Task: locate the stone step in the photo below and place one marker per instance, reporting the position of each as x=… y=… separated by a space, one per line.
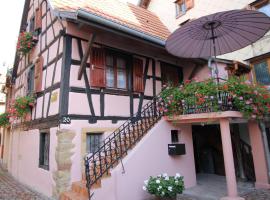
x=70 y=195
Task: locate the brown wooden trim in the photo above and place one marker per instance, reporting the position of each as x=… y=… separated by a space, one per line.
x=86 y=56
x=259 y=3
x=49 y=122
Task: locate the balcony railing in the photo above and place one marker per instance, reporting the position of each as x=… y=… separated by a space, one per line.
x=222 y=101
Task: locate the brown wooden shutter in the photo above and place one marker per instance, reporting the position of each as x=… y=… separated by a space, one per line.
x=38 y=74
x=38 y=18
x=138 y=75
x=189 y=4
x=97 y=68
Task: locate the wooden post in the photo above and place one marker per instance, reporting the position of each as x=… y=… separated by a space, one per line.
x=86 y=55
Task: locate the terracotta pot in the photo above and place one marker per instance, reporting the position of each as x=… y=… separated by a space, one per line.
x=28 y=117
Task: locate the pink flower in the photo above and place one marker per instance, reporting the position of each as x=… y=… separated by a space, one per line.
x=241 y=98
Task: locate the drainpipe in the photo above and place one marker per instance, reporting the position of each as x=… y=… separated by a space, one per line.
x=266 y=147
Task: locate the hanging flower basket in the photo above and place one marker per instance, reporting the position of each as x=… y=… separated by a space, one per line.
x=26 y=42
x=20 y=108
x=4 y=120
x=23 y=105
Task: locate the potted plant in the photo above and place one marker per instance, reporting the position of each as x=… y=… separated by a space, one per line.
x=4 y=120
x=26 y=42
x=164 y=187
x=236 y=93
x=23 y=106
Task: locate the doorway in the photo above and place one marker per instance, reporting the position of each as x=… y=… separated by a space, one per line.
x=208 y=152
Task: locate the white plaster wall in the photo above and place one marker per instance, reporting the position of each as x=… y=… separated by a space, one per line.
x=25 y=160
x=149 y=158
x=116 y=105
x=78 y=104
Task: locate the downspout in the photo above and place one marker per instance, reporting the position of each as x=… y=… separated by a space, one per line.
x=81 y=14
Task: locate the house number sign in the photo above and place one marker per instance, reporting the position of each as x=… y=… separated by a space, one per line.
x=66 y=120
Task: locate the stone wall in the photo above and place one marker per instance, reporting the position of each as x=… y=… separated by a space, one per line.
x=63 y=155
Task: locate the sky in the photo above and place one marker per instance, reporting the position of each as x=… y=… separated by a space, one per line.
x=10 y=19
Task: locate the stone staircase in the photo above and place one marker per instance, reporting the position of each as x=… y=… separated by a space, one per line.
x=113 y=149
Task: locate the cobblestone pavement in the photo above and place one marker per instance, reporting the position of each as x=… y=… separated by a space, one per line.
x=259 y=194
x=10 y=189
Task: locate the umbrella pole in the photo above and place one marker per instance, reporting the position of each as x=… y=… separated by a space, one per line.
x=213 y=37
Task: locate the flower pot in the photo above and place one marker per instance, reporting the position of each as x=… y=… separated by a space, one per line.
x=28 y=117
x=165 y=198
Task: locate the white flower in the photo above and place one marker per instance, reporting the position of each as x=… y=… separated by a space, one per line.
x=160 y=187
x=146 y=182
x=177 y=175
x=176 y=181
x=144 y=188
x=170 y=188
x=164 y=174
x=162 y=193
x=167 y=178
x=157 y=181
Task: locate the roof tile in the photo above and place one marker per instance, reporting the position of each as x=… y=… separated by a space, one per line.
x=125 y=14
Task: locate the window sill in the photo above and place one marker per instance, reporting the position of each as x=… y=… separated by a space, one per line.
x=180 y=15
x=45 y=167
x=116 y=91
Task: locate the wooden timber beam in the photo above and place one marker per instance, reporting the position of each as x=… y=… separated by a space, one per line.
x=86 y=56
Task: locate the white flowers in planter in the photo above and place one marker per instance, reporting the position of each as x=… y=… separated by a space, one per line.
x=164 y=185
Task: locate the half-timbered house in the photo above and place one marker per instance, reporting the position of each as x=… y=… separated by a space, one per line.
x=96 y=71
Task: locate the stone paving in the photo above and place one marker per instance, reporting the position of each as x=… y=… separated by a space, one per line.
x=260 y=194
x=10 y=189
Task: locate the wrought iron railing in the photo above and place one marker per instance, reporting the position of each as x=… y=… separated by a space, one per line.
x=221 y=101
x=117 y=144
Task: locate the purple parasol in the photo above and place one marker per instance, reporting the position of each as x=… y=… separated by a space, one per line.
x=218 y=33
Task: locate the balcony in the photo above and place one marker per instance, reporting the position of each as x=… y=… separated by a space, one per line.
x=215 y=98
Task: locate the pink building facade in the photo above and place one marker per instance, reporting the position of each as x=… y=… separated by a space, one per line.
x=82 y=97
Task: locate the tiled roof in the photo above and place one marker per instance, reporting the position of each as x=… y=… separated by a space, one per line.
x=126 y=14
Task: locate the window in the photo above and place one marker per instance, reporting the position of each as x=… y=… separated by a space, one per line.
x=31 y=80
x=116 y=71
x=262 y=73
x=44 y=148
x=265 y=9
x=93 y=141
x=32 y=24
x=170 y=74
x=262 y=6
x=180 y=7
